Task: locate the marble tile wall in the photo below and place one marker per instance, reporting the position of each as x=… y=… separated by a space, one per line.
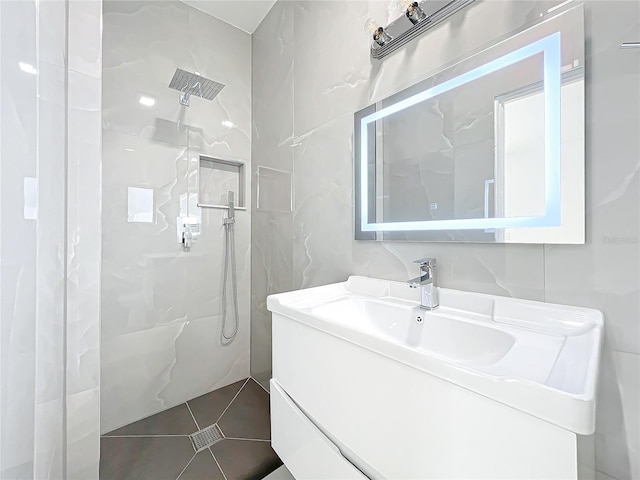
x=161 y=306
x=50 y=247
x=312 y=71
x=272 y=137
x=84 y=241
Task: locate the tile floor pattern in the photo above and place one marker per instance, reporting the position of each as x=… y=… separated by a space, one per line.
x=159 y=448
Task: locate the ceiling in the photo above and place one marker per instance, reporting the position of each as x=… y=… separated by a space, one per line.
x=243 y=14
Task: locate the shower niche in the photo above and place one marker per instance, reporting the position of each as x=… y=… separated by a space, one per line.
x=216 y=178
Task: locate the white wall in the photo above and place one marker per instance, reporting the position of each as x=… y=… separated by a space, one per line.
x=305 y=93
x=50 y=135
x=161 y=307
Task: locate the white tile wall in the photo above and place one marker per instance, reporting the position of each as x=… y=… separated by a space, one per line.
x=84 y=256
x=618 y=432
x=84 y=241
x=272 y=127
x=83 y=434
x=161 y=307
x=85 y=37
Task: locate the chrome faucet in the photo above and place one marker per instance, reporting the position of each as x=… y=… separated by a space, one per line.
x=427 y=281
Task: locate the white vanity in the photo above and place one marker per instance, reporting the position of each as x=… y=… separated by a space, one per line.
x=367 y=384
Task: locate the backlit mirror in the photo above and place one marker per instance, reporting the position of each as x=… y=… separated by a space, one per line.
x=490 y=149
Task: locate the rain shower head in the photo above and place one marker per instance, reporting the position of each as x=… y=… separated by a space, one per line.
x=193 y=84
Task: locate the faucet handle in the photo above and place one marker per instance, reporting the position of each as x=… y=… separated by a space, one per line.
x=426 y=262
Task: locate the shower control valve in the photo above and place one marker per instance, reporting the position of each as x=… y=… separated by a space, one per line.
x=188 y=230
x=187 y=238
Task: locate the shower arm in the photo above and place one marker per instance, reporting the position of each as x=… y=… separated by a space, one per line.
x=187 y=92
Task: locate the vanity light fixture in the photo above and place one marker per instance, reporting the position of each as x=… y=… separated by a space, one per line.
x=147 y=101
x=560 y=5
x=418 y=17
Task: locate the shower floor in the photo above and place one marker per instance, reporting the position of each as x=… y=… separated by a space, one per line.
x=159 y=447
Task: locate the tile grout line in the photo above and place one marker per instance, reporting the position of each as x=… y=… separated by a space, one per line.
x=628 y=352
x=261 y=386
x=216 y=460
x=186 y=466
x=248 y=439
x=192 y=415
x=108 y=434
x=234 y=397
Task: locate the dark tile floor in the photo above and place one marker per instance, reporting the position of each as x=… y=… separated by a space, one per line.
x=159 y=448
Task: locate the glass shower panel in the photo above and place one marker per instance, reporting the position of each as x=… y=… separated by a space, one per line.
x=145 y=294
x=32 y=242
x=161 y=304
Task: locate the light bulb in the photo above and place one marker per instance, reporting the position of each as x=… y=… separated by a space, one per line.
x=370 y=27
x=380 y=37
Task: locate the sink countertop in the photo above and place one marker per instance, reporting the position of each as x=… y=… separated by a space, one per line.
x=538 y=357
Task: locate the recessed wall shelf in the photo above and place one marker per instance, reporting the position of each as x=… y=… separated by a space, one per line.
x=216 y=178
x=274 y=192
x=403 y=31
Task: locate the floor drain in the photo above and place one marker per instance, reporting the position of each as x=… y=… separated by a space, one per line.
x=206 y=437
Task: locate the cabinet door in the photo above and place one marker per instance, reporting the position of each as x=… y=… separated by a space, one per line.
x=304 y=449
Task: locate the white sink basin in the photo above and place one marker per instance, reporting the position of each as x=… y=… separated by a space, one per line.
x=453 y=339
x=539 y=358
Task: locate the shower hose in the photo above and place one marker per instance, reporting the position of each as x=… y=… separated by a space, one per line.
x=229 y=256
